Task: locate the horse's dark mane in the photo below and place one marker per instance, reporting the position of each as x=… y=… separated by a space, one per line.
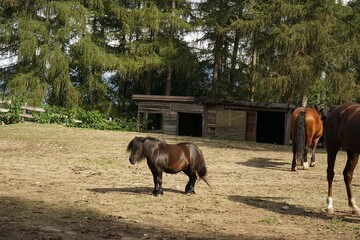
x=136 y=141
x=130 y=145
x=153 y=139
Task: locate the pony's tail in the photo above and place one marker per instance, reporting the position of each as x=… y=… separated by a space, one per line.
x=300 y=136
x=202 y=170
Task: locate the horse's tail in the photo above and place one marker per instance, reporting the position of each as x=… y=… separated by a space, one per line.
x=300 y=136
x=202 y=170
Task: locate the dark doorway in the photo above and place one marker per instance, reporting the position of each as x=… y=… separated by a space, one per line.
x=270 y=127
x=190 y=124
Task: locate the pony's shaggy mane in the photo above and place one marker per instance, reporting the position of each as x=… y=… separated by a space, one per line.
x=153 y=139
x=139 y=140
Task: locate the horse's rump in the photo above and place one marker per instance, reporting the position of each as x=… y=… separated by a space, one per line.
x=306 y=130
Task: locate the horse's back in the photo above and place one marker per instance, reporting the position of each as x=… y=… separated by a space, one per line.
x=191 y=149
x=343 y=126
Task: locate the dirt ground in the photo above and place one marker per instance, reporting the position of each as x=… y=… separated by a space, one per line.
x=68 y=183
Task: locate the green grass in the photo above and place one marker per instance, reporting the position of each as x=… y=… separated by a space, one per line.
x=269 y=220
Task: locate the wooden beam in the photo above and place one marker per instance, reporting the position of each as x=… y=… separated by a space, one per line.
x=35 y=109
x=138 y=97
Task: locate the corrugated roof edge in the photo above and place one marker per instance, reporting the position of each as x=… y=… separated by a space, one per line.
x=139 y=97
x=192 y=99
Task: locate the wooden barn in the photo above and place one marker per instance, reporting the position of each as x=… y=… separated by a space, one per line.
x=188 y=116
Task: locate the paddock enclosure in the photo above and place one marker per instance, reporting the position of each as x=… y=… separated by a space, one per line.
x=72 y=183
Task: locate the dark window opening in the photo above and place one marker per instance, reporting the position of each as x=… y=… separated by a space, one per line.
x=154 y=122
x=190 y=124
x=270 y=127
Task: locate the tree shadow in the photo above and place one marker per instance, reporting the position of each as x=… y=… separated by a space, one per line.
x=23 y=219
x=278 y=205
x=268 y=163
x=135 y=190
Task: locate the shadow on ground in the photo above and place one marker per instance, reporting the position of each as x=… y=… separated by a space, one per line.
x=135 y=190
x=279 y=205
x=268 y=163
x=25 y=219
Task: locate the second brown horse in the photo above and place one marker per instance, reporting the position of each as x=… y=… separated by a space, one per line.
x=306 y=130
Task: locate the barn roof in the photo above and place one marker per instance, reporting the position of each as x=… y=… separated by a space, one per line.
x=138 y=97
x=192 y=99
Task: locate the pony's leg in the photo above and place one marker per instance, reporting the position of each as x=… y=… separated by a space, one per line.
x=293 y=165
x=157 y=176
x=331 y=156
x=190 y=186
x=348 y=175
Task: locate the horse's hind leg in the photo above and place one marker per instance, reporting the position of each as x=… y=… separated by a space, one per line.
x=304 y=158
x=314 y=146
x=331 y=157
x=293 y=165
x=348 y=175
x=190 y=186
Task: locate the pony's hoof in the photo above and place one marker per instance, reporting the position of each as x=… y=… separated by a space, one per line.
x=190 y=192
x=157 y=194
x=312 y=164
x=330 y=211
x=356 y=212
x=294 y=169
x=306 y=166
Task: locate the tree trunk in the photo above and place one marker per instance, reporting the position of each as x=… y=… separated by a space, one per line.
x=169 y=68
x=217 y=66
x=148 y=82
x=234 y=61
x=169 y=71
x=304 y=101
x=253 y=78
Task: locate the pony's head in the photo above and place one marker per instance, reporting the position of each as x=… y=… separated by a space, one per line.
x=136 y=149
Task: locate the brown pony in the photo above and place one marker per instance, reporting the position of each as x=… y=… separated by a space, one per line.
x=342 y=129
x=169 y=158
x=306 y=130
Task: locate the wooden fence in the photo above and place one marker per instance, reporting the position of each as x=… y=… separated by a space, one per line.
x=27 y=111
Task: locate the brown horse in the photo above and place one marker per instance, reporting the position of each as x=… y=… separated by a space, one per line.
x=306 y=130
x=342 y=129
x=169 y=158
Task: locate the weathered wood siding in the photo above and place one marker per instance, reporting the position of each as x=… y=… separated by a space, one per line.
x=170 y=123
x=223 y=122
x=153 y=107
x=169 y=111
x=251 y=122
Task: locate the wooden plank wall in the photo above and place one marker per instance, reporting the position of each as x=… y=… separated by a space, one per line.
x=153 y=107
x=251 y=122
x=170 y=123
x=169 y=111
